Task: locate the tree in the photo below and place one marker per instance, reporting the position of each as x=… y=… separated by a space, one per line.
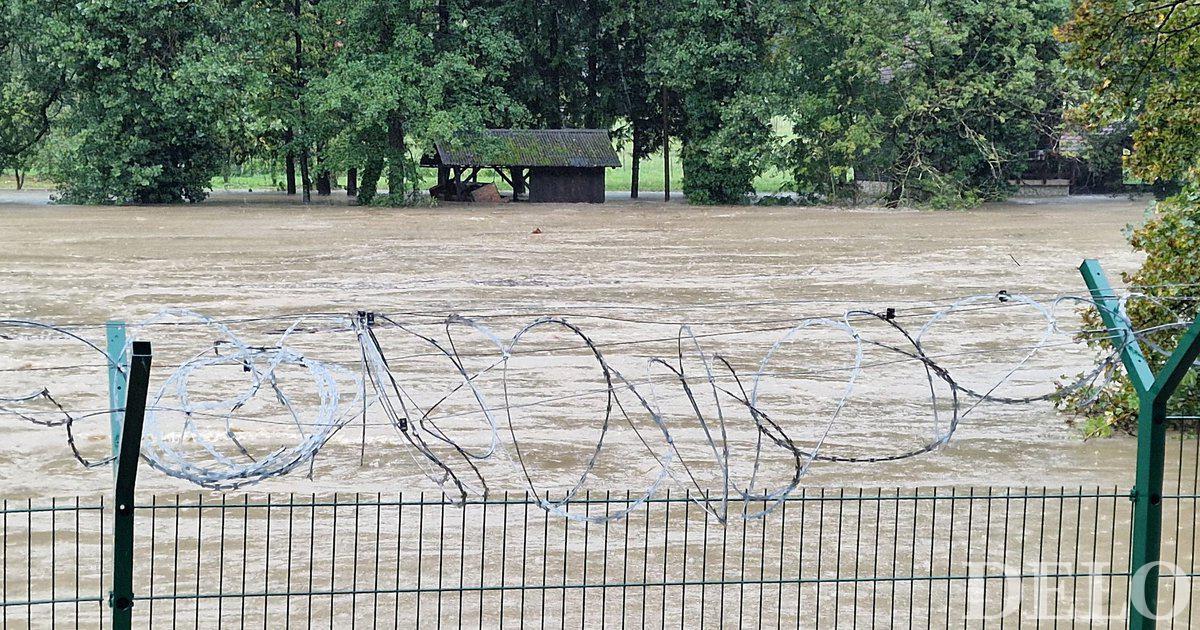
x=1142 y=63
x=1142 y=60
x=291 y=45
x=263 y=124
x=713 y=56
x=402 y=75
x=151 y=81
x=32 y=77
x=637 y=90
x=943 y=100
x=559 y=44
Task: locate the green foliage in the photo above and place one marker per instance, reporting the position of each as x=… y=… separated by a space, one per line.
x=1170 y=239
x=1102 y=152
x=1142 y=60
x=637 y=90
x=152 y=80
x=943 y=100
x=394 y=76
x=145 y=101
x=712 y=54
x=32 y=76
x=570 y=59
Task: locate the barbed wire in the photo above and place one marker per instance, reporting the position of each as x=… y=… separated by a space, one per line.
x=194 y=438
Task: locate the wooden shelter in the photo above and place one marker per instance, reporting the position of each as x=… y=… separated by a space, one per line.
x=541 y=165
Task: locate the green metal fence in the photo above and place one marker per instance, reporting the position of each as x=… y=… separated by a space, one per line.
x=854 y=557
x=938 y=557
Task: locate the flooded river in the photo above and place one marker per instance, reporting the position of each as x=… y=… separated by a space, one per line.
x=627 y=274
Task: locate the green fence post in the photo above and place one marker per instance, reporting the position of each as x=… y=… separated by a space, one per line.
x=1148 y=514
x=121 y=597
x=1109 y=307
x=1153 y=393
x=118 y=368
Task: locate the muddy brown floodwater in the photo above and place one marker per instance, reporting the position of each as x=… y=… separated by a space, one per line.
x=620 y=271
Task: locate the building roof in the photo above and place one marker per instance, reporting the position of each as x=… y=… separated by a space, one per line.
x=529 y=147
x=1074 y=141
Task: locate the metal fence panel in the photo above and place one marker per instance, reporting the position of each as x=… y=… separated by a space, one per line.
x=938 y=557
x=53 y=562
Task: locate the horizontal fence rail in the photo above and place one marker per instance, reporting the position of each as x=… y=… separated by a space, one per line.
x=944 y=557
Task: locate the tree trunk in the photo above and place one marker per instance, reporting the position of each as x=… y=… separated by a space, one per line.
x=397 y=160
x=290 y=162
x=324 y=184
x=894 y=195
x=633 y=182
x=593 y=69
x=20 y=177
x=305 y=179
x=352 y=182
x=370 y=182
x=637 y=166
x=556 y=100
x=518 y=178
x=666 y=150
x=298 y=78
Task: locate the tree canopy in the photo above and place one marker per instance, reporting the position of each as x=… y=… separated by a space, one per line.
x=1141 y=61
x=943 y=100
x=32 y=77
x=129 y=101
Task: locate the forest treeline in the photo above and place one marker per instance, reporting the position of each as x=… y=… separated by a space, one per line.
x=136 y=101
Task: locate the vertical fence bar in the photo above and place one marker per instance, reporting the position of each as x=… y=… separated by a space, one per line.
x=118 y=368
x=121 y=596
x=1153 y=393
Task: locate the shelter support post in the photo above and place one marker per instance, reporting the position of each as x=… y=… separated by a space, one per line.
x=518 y=182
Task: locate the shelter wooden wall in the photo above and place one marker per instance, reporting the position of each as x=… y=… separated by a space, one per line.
x=566 y=184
